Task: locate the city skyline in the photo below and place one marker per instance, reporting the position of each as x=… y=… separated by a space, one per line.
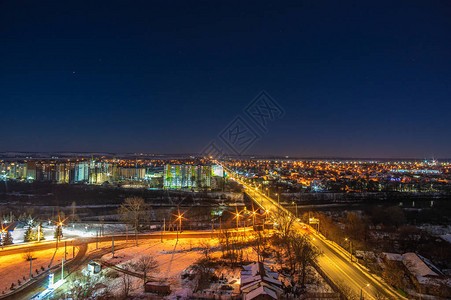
x=168 y=78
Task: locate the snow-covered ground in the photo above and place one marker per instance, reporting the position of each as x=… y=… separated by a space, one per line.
x=15 y=267
x=173 y=258
x=436 y=229
x=72 y=230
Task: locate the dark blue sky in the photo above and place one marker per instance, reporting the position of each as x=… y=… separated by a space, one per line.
x=356 y=79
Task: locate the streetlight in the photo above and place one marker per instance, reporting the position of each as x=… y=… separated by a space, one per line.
x=237 y=217
x=179 y=218
x=2 y=233
x=59 y=228
x=296 y=208
x=350 y=248
x=361 y=290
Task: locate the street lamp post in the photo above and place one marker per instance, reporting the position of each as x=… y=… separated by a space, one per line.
x=361 y=291
x=59 y=229
x=2 y=234
x=179 y=219
x=350 y=248
x=296 y=208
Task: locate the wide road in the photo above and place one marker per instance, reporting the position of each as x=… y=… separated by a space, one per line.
x=44 y=245
x=334 y=261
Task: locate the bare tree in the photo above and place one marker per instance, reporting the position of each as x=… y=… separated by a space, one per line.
x=284 y=225
x=347 y=292
x=28 y=255
x=146 y=264
x=206 y=248
x=132 y=212
x=304 y=253
x=126 y=284
x=393 y=273
x=355 y=226
x=228 y=242
x=260 y=245
x=380 y=296
x=224 y=241
x=81 y=285
x=204 y=268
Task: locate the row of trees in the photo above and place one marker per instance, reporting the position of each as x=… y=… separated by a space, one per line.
x=292 y=250
x=296 y=251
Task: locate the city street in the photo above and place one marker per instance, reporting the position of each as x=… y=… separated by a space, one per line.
x=334 y=261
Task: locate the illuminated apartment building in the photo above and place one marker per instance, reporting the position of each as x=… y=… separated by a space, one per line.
x=186 y=176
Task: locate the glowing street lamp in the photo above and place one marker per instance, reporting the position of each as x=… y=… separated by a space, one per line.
x=59 y=228
x=237 y=217
x=179 y=218
x=361 y=290
x=3 y=231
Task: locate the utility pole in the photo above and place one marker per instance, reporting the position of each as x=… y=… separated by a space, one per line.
x=350 y=246
x=112 y=245
x=180 y=224
x=296 y=208
x=39 y=232
x=136 y=233
x=65 y=249
x=62 y=269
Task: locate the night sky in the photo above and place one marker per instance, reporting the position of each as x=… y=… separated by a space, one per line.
x=356 y=79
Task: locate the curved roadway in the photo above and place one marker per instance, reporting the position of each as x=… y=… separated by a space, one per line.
x=334 y=262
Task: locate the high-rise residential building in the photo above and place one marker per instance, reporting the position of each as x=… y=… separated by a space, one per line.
x=186 y=176
x=13 y=170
